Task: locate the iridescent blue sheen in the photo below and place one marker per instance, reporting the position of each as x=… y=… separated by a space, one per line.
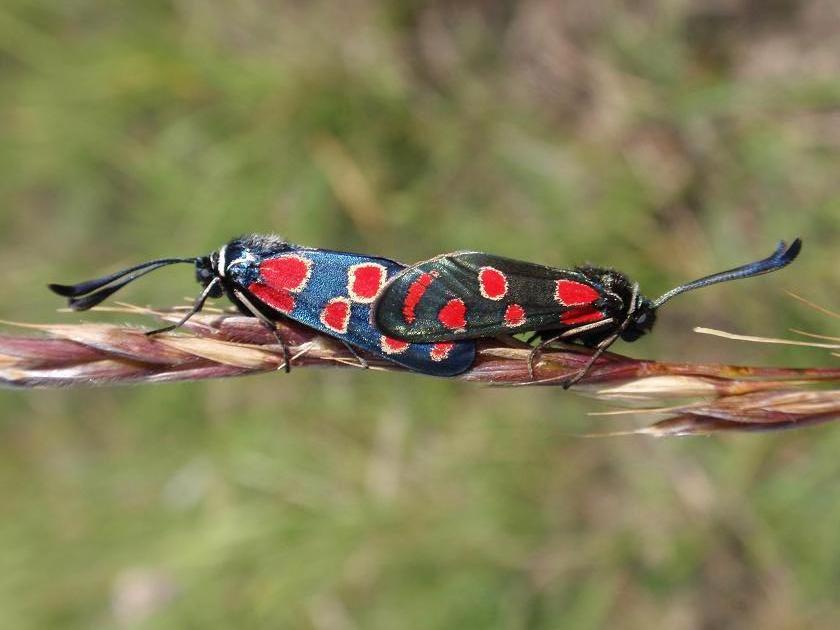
x=329 y=280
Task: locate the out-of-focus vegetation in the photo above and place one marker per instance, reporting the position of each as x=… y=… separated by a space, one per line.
x=669 y=139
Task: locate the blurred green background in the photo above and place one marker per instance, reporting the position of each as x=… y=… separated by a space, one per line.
x=667 y=138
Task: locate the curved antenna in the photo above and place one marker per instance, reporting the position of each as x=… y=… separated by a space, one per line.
x=86 y=295
x=782 y=257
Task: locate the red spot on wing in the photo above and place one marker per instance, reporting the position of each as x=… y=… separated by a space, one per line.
x=514 y=315
x=453 y=315
x=392 y=346
x=571 y=293
x=441 y=351
x=415 y=294
x=364 y=281
x=581 y=316
x=280 y=300
x=290 y=273
x=492 y=283
x=336 y=315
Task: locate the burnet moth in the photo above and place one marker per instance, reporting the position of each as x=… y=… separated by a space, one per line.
x=467 y=295
x=269 y=278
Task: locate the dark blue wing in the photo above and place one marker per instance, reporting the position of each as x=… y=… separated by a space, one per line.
x=333 y=292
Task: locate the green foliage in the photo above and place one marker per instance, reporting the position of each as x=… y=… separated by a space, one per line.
x=668 y=140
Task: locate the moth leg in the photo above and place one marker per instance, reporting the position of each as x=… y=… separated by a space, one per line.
x=599 y=350
x=536 y=352
x=362 y=363
x=197 y=306
x=265 y=321
x=606 y=343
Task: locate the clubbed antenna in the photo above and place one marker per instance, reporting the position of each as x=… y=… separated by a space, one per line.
x=782 y=257
x=88 y=294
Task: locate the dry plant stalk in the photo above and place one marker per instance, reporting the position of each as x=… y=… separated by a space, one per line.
x=720 y=397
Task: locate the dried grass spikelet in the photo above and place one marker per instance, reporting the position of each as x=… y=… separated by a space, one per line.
x=709 y=397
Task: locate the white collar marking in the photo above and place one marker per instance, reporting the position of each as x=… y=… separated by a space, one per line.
x=221 y=262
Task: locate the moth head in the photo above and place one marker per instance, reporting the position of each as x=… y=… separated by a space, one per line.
x=207 y=273
x=641 y=321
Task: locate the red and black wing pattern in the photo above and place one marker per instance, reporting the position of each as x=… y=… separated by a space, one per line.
x=466 y=295
x=333 y=292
